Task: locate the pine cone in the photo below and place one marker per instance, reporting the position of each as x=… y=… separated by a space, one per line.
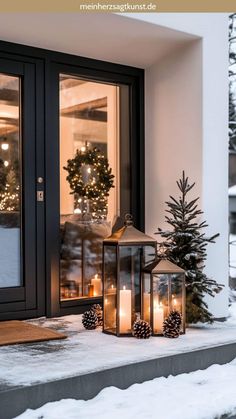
x=171 y=326
x=90 y=320
x=141 y=329
x=98 y=310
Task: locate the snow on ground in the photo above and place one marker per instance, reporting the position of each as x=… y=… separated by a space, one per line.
x=88 y=351
x=9 y=257
x=206 y=394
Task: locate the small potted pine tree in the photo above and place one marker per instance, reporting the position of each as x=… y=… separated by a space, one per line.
x=185 y=245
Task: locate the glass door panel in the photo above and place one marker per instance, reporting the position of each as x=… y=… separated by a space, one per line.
x=89 y=123
x=20 y=112
x=10 y=181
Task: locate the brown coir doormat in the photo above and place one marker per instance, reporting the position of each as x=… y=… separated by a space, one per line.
x=14 y=332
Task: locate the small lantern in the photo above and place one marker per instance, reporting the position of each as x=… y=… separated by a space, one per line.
x=163 y=290
x=124 y=254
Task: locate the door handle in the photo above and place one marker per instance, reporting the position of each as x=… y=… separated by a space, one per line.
x=40 y=196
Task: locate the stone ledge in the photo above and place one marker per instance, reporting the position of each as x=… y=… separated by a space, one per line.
x=15 y=400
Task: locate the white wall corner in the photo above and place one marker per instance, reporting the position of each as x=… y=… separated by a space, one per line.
x=186 y=128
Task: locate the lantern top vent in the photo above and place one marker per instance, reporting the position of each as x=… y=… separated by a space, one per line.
x=162 y=266
x=128 y=234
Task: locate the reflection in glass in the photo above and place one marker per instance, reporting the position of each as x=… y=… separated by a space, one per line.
x=110 y=298
x=89 y=117
x=10 y=179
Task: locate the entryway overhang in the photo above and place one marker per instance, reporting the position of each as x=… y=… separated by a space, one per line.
x=107 y=37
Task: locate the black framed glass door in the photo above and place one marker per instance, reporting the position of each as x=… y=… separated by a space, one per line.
x=41 y=125
x=18 y=174
x=95 y=112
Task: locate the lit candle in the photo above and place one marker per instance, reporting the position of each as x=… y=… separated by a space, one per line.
x=91 y=290
x=97 y=283
x=158 y=317
x=146 y=307
x=176 y=305
x=125 y=311
x=111 y=290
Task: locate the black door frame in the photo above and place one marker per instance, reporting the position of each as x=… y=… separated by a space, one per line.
x=27 y=300
x=47 y=64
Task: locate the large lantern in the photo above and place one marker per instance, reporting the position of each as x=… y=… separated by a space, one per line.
x=163 y=290
x=124 y=254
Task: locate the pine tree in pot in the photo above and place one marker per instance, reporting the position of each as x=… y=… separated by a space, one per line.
x=185 y=245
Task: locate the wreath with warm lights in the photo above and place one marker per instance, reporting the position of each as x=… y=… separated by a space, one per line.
x=104 y=177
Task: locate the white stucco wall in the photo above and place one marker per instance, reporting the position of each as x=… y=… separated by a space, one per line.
x=186 y=128
x=186 y=101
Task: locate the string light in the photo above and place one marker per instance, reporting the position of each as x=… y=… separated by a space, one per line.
x=4 y=146
x=10 y=196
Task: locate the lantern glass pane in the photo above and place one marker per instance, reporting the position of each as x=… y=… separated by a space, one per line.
x=110 y=302
x=146 y=298
x=129 y=287
x=177 y=294
x=161 y=301
x=149 y=254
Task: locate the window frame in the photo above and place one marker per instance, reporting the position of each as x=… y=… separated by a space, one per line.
x=47 y=146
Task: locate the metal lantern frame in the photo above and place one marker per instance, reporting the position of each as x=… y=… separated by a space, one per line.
x=125 y=238
x=157 y=268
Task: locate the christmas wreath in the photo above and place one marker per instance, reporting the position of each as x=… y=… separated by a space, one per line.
x=101 y=179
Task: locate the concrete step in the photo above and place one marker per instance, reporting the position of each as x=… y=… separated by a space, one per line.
x=15 y=400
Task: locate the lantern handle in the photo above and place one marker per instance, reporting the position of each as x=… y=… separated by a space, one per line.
x=128 y=220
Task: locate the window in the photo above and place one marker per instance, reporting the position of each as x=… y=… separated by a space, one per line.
x=89 y=121
x=10 y=181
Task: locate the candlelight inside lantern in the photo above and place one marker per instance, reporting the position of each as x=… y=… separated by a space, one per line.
x=125 y=310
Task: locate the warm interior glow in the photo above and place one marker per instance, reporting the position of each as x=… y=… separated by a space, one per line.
x=89 y=117
x=81 y=123
x=10 y=180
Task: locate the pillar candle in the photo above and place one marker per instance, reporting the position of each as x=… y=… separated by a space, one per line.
x=125 y=311
x=97 y=284
x=158 y=317
x=146 y=307
x=176 y=305
x=91 y=290
x=111 y=290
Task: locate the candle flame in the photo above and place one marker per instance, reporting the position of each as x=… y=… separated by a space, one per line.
x=158 y=307
x=124 y=287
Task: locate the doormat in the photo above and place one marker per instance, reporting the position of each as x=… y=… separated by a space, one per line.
x=15 y=332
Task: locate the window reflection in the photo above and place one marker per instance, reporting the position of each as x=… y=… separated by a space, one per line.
x=89 y=119
x=10 y=218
